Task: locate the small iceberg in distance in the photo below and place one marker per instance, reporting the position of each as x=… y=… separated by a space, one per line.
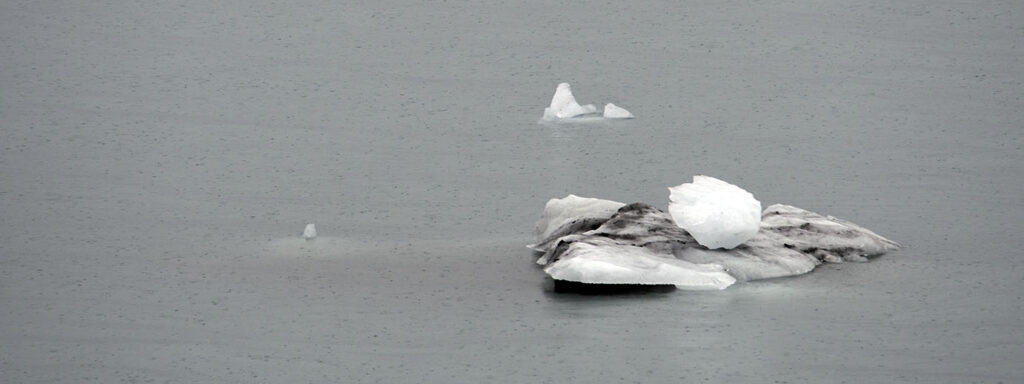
x=564 y=108
x=309 y=233
x=564 y=105
x=612 y=111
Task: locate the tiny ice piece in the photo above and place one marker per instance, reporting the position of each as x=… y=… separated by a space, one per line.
x=564 y=105
x=716 y=213
x=310 y=232
x=612 y=111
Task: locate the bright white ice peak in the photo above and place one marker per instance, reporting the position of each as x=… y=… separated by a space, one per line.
x=716 y=213
x=564 y=105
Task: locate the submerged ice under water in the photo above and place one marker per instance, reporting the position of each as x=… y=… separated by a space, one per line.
x=640 y=244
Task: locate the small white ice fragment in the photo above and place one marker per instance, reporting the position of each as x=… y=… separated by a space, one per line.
x=612 y=111
x=310 y=232
x=716 y=213
x=564 y=105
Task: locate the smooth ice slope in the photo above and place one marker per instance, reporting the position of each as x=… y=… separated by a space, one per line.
x=603 y=261
x=612 y=111
x=564 y=105
x=716 y=213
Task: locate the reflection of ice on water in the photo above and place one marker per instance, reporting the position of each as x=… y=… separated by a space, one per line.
x=321 y=246
x=588 y=128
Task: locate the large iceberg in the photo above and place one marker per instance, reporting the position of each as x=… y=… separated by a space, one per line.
x=564 y=105
x=640 y=244
x=716 y=213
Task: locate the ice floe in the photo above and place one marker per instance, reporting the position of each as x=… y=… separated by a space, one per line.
x=640 y=244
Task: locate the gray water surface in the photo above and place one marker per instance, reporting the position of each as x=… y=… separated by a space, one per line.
x=159 y=161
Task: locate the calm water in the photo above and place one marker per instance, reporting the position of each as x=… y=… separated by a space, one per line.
x=158 y=162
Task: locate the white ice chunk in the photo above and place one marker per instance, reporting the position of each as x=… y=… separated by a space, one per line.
x=716 y=213
x=564 y=105
x=612 y=111
x=561 y=214
x=602 y=261
x=310 y=232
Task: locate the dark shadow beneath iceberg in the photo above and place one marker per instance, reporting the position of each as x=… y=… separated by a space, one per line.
x=564 y=286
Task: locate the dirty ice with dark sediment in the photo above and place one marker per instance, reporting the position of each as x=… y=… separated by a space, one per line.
x=714 y=235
